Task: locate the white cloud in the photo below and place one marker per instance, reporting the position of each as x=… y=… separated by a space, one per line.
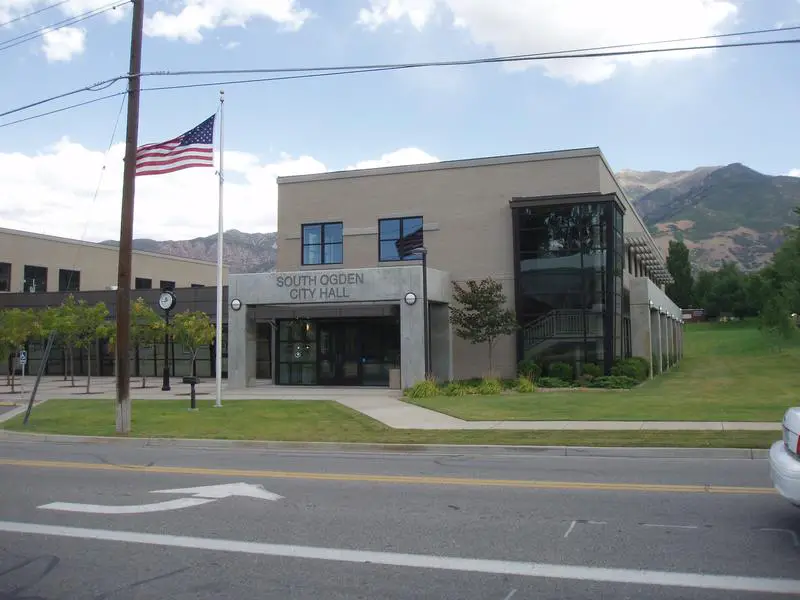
x=197 y=15
x=403 y=156
x=794 y=172
x=520 y=27
x=53 y=191
x=62 y=44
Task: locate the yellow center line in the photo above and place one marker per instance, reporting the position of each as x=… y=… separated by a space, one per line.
x=395 y=479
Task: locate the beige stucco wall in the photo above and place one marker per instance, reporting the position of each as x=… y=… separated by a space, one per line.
x=97 y=264
x=467 y=220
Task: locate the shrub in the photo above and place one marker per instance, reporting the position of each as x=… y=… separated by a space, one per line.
x=425 y=388
x=561 y=370
x=552 y=382
x=525 y=385
x=592 y=370
x=635 y=368
x=529 y=369
x=584 y=380
x=490 y=386
x=614 y=382
x=455 y=388
x=664 y=361
x=509 y=384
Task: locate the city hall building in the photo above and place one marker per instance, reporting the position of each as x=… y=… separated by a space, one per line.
x=346 y=304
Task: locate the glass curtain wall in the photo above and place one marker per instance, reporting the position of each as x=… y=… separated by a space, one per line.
x=569 y=283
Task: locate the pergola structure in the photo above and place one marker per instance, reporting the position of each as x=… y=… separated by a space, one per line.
x=645 y=251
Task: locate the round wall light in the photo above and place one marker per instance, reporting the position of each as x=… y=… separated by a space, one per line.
x=410 y=298
x=236 y=304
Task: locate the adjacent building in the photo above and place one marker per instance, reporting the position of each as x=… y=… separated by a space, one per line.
x=37 y=271
x=346 y=303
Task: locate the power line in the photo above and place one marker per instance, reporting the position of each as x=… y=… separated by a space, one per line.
x=328 y=72
x=35 y=12
x=594 y=52
x=62 y=109
x=31 y=35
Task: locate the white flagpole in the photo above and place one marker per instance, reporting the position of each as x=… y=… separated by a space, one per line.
x=218 y=346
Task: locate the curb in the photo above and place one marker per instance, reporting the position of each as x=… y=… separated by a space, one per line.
x=450 y=449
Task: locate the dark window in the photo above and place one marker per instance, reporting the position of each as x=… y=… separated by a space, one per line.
x=5 y=277
x=166 y=285
x=69 y=280
x=197 y=285
x=143 y=283
x=35 y=279
x=323 y=243
x=397 y=238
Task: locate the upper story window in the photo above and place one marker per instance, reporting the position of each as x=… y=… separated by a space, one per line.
x=35 y=278
x=5 y=277
x=398 y=238
x=143 y=283
x=69 y=280
x=323 y=243
x=164 y=284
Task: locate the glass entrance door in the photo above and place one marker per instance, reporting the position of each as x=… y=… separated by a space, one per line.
x=339 y=354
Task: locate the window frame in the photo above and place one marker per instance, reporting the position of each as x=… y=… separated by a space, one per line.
x=9 y=280
x=74 y=286
x=322 y=244
x=402 y=233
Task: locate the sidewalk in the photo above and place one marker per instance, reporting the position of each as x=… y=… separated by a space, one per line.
x=380 y=404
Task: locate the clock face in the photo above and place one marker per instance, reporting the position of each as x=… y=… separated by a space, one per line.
x=166 y=300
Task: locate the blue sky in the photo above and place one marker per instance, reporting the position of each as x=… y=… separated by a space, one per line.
x=729 y=105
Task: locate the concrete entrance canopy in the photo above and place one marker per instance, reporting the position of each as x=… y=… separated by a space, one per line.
x=333 y=293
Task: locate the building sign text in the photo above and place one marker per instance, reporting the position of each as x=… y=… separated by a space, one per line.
x=322 y=288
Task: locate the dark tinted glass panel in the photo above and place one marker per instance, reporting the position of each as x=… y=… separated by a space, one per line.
x=333 y=233
x=35 y=278
x=143 y=283
x=312 y=234
x=69 y=280
x=5 y=277
x=166 y=285
x=389 y=229
x=388 y=250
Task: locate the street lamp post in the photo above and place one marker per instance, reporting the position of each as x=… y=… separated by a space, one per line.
x=167 y=302
x=425 y=315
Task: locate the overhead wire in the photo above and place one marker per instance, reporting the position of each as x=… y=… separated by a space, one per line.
x=33 y=13
x=32 y=35
x=356 y=69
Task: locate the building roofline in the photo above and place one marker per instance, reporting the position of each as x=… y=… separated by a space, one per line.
x=445 y=164
x=74 y=242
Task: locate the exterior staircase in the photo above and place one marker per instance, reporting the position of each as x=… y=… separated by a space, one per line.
x=559 y=326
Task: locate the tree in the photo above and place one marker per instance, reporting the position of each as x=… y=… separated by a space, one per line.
x=192 y=330
x=146 y=329
x=482 y=316
x=17 y=326
x=777 y=321
x=63 y=320
x=680 y=267
x=91 y=324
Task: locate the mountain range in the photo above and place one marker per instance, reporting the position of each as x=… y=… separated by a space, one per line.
x=728 y=213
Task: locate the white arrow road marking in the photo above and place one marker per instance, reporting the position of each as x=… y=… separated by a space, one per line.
x=202 y=495
x=102 y=509
x=223 y=491
x=733 y=583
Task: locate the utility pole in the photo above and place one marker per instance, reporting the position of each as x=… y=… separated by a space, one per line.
x=123 y=307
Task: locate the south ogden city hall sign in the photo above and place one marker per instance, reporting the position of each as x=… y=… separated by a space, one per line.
x=328 y=286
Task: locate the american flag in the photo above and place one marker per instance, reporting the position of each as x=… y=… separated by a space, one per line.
x=195 y=148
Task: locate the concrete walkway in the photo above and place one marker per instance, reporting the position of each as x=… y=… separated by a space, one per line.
x=380 y=404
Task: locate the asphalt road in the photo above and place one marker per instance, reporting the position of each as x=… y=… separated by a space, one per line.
x=390 y=525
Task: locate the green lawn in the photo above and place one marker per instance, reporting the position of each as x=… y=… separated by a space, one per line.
x=729 y=373
x=325 y=421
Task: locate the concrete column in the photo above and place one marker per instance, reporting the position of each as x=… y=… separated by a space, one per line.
x=664 y=338
x=655 y=348
x=641 y=343
x=412 y=344
x=241 y=347
x=441 y=346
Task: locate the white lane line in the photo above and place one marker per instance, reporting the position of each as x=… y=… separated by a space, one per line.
x=472 y=565
x=571 y=527
x=511 y=593
x=669 y=526
x=127 y=510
